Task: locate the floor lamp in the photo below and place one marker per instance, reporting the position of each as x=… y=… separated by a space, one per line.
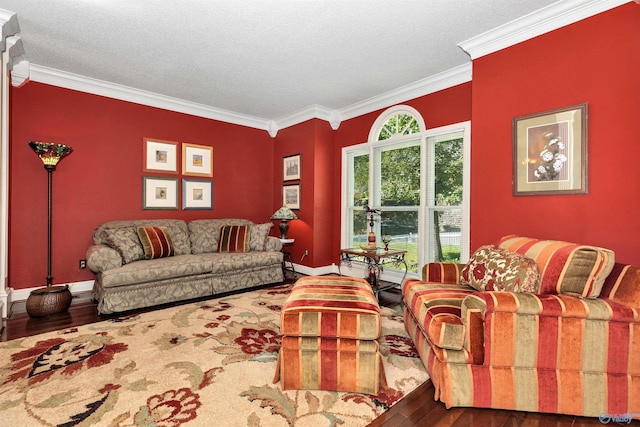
x=51 y=299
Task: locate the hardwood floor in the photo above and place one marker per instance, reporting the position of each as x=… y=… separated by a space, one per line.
x=417 y=409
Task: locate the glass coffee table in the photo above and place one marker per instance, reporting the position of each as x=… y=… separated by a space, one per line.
x=375 y=260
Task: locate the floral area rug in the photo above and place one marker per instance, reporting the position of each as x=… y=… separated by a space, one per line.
x=209 y=363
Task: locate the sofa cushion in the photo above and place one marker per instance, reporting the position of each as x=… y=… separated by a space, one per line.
x=177 y=228
x=125 y=240
x=204 y=233
x=233 y=238
x=153 y=270
x=495 y=269
x=565 y=267
x=229 y=262
x=156 y=242
x=331 y=307
x=258 y=236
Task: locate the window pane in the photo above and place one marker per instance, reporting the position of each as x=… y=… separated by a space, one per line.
x=448 y=164
x=402 y=227
x=399 y=124
x=446 y=235
x=400 y=173
x=360 y=228
x=360 y=180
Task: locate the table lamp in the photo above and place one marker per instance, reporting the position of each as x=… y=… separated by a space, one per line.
x=284 y=214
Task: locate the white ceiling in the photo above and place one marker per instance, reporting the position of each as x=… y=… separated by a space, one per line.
x=264 y=63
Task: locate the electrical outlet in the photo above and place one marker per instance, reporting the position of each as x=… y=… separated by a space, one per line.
x=83 y=264
x=306 y=252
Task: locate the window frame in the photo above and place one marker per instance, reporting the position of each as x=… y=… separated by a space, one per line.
x=372 y=146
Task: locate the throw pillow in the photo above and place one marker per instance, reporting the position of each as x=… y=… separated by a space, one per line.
x=156 y=242
x=496 y=269
x=565 y=267
x=234 y=238
x=258 y=236
x=126 y=242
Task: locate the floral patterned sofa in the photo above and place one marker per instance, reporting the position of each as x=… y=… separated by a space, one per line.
x=188 y=260
x=563 y=339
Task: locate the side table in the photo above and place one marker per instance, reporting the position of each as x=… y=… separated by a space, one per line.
x=287 y=262
x=375 y=259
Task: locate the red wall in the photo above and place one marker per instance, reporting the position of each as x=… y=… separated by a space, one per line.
x=597 y=61
x=313 y=229
x=102 y=179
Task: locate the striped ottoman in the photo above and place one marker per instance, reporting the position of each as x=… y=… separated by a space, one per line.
x=330 y=326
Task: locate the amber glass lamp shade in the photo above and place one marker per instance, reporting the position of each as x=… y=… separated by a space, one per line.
x=50 y=152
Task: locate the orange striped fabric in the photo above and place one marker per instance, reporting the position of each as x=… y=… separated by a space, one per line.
x=623 y=285
x=156 y=242
x=234 y=238
x=564 y=267
x=441 y=272
x=338 y=307
x=438 y=308
x=540 y=353
x=330 y=326
x=313 y=363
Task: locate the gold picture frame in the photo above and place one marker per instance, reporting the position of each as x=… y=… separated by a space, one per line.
x=550 y=152
x=197 y=160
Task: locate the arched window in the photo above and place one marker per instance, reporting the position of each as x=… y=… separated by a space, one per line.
x=418 y=178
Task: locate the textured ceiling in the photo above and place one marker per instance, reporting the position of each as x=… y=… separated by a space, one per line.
x=261 y=58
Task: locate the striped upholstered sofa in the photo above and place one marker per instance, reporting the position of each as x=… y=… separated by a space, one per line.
x=568 y=344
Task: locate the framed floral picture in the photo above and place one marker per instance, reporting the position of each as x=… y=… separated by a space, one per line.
x=197 y=194
x=159 y=192
x=550 y=152
x=197 y=160
x=291 y=196
x=160 y=156
x=291 y=167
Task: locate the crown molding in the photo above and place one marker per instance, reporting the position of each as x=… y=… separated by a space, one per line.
x=422 y=87
x=9 y=25
x=454 y=76
x=541 y=21
x=68 y=80
x=444 y=80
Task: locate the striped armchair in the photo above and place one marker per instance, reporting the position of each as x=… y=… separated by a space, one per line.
x=571 y=347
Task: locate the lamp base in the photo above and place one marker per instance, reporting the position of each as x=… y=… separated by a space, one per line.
x=50 y=300
x=284 y=227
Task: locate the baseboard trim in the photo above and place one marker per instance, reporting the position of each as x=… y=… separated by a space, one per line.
x=74 y=287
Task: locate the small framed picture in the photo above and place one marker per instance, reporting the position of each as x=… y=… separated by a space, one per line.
x=197 y=160
x=159 y=193
x=197 y=194
x=160 y=156
x=550 y=152
x=291 y=196
x=291 y=167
